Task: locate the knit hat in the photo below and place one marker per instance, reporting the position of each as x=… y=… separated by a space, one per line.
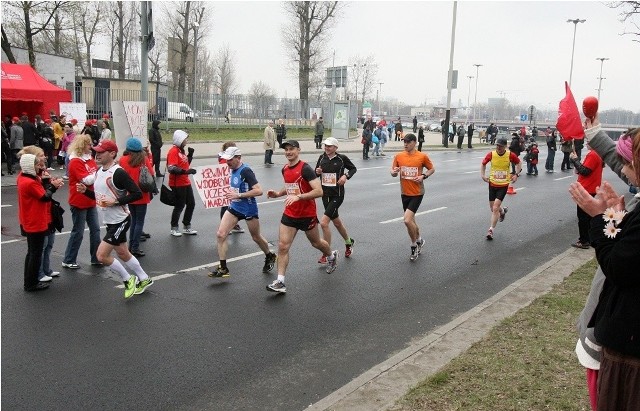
x=624 y=147
x=178 y=137
x=28 y=164
x=134 y=145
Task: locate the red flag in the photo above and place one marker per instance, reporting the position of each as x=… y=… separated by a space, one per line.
x=569 y=124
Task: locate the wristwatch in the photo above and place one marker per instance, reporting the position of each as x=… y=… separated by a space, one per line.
x=424 y=176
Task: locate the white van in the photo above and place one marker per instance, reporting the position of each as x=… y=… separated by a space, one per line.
x=179 y=111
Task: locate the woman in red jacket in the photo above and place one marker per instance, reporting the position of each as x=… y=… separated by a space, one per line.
x=34 y=214
x=132 y=160
x=179 y=168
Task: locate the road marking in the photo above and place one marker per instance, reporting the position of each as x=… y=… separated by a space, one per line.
x=563 y=178
x=470 y=172
x=6 y=205
x=391 y=184
x=449 y=161
x=200 y=267
x=393 y=220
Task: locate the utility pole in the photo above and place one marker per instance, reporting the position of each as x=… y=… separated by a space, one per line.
x=602 y=59
x=475 y=99
x=379 y=95
x=445 y=137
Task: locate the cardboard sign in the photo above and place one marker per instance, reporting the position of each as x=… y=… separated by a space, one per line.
x=130 y=120
x=76 y=111
x=212 y=183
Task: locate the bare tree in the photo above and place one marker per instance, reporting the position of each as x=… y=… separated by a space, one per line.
x=630 y=12
x=364 y=71
x=124 y=17
x=305 y=36
x=261 y=97
x=86 y=21
x=34 y=18
x=6 y=47
x=225 y=78
x=158 y=60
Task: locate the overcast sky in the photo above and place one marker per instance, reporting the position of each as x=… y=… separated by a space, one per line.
x=524 y=49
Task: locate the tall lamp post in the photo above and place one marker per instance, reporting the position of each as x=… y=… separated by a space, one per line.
x=602 y=59
x=468 y=96
x=195 y=60
x=575 y=26
x=475 y=99
x=379 y=96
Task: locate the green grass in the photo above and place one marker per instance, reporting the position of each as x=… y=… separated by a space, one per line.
x=527 y=362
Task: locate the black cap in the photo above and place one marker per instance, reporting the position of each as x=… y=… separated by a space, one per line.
x=292 y=143
x=409 y=137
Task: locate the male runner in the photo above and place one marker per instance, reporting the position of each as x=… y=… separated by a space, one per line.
x=499 y=180
x=410 y=164
x=243 y=206
x=302 y=187
x=334 y=169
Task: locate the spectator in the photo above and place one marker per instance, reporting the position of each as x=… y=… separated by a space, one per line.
x=155 y=140
x=269 y=143
x=551 y=149
x=178 y=165
x=590 y=178
x=319 y=133
x=566 y=146
x=281 y=132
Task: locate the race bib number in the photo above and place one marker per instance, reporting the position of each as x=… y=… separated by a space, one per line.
x=500 y=175
x=237 y=191
x=329 y=179
x=408 y=172
x=292 y=189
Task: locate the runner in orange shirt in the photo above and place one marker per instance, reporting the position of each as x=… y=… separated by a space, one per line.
x=410 y=164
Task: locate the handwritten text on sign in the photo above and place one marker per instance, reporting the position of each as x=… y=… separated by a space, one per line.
x=212 y=183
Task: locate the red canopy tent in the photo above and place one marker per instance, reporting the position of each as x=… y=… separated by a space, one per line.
x=25 y=91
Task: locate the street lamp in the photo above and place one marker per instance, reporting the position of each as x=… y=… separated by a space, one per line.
x=195 y=26
x=379 y=95
x=575 y=26
x=475 y=99
x=468 y=96
x=602 y=59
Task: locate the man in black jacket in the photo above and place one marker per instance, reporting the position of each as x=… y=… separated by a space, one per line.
x=155 y=140
x=29 y=131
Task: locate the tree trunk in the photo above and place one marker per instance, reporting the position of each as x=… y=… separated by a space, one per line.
x=6 y=47
x=26 y=7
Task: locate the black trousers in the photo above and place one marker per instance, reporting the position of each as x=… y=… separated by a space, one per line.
x=365 y=151
x=155 y=152
x=584 y=222
x=184 y=197
x=33 y=259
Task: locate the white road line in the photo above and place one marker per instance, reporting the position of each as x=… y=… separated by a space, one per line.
x=391 y=184
x=448 y=161
x=563 y=178
x=200 y=267
x=6 y=205
x=393 y=220
x=470 y=172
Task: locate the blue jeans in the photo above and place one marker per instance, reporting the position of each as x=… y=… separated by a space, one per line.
x=550 y=158
x=138 y=213
x=45 y=264
x=80 y=216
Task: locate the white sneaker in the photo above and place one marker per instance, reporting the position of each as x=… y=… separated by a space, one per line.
x=189 y=231
x=176 y=233
x=50 y=168
x=45 y=279
x=55 y=274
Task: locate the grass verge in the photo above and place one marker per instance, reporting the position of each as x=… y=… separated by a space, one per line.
x=527 y=362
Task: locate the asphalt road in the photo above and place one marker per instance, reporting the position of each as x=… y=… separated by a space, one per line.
x=191 y=342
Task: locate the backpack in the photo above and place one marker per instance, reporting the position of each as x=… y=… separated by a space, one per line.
x=146 y=182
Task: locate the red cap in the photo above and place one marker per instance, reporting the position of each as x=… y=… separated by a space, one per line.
x=74 y=121
x=15 y=119
x=106 y=145
x=105 y=115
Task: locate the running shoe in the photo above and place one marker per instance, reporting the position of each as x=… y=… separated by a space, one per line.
x=420 y=245
x=414 y=254
x=237 y=229
x=349 y=248
x=503 y=213
x=269 y=262
x=490 y=234
x=176 y=233
x=189 y=231
x=219 y=272
x=277 y=287
x=72 y=266
x=143 y=285
x=55 y=274
x=322 y=260
x=577 y=244
x=45 y=279
x=130 y=286
x=332 y=262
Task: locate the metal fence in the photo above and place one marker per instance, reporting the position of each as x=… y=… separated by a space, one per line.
x=208 y=109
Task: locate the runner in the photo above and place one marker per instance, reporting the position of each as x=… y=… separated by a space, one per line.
x=499 y=180
x=410 y=164
x=302 y=187
x=243 y=206
x=335 y=169
x=113 y=190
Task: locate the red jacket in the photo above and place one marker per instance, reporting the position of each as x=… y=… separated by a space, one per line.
x=177 y=157
x=134 y=172
x=79 y=169
x=34 y=214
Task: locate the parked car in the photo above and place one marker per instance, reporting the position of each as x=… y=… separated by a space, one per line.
x=180 y=111
x=435 y=127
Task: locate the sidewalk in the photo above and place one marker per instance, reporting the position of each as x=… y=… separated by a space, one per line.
x=381 y=386
x=433 y=142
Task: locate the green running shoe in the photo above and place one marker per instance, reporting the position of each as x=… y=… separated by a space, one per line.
x=130 y=286
x=143 y=285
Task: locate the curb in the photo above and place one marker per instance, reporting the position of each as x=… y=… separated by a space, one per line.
x=381 y=386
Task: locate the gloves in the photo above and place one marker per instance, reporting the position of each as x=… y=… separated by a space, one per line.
x=191 y=171
x=190 y=151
